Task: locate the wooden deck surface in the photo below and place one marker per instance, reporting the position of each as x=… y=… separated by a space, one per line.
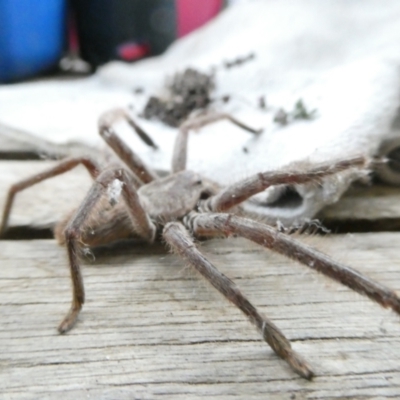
x=151 y=328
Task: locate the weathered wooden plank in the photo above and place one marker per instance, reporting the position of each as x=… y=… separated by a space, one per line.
x=151 y=328
x=362 y=209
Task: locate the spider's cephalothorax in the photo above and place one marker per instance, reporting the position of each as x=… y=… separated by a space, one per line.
x=181 y=193
x=130 y=199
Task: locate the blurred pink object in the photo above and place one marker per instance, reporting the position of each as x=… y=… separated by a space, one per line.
x=192 y=14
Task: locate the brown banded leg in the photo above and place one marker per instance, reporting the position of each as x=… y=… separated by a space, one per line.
x=114 y=183
x=181 y=242
x=63 y=166
x=121 y=149
x=109 y=117
x=235 y=194
x=179 y=155
x=264 y=235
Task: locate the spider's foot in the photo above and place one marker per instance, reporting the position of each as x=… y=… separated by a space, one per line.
x=69 y=321
x=3 y=228
x=282 y=347
x=300 y=366
x=393 y=301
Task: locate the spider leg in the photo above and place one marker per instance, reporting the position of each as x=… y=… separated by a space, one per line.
x=109 y=117
x=179 y=155
x=60 y=168
x=203 y=120
x=123 y=151
x=264 y=235
x=114 y=182
x=235 y=194
x=179 y=239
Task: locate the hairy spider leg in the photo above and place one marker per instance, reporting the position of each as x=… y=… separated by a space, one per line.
x=267 y=236
x=121 y=149
x=179 y=155
x=210 y=225
x=114 y=182
x=179 y=239
x=111 y=116
x=240 y=191
x=202 y=120
x=62 y=167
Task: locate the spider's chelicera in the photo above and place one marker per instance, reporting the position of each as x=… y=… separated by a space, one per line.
x=183 y=206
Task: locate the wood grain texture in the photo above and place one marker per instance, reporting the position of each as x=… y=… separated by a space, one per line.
x=362 y=208
x=152 y=329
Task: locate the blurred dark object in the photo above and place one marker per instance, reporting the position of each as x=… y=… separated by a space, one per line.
x=238 y=61
x=187 y=91
x=32 y=37
x=132 y=29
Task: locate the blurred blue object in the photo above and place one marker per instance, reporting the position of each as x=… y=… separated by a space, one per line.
x=32 y=37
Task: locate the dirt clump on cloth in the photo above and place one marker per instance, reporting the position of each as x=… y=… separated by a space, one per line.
x=186 y=92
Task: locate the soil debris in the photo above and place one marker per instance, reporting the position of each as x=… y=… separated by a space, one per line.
x=186 y=92
x=239 y=60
